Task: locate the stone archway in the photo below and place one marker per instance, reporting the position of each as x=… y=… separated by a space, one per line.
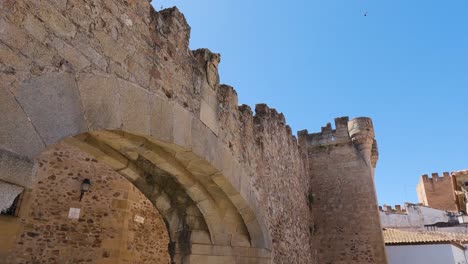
x=161 y=141
x=85 y=67
x=203 y=221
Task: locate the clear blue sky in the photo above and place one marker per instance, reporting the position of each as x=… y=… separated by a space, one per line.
x=405 y=65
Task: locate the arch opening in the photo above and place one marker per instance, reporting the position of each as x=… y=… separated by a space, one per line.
x=113 y=222
x=208 y=204
x=206 y=219
x=201 y=218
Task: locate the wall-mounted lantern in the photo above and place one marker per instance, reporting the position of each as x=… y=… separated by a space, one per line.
x=85 y=185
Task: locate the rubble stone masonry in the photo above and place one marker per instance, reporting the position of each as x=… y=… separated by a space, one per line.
x=341 y=163
x=106 y=230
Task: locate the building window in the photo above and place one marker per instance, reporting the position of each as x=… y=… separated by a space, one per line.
x=14 y=208
x=465 y=183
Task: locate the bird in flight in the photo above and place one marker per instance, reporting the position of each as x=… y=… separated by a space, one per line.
x=365 y=14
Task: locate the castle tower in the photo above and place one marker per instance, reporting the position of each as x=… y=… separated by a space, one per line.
x=341 y=164
x=437 y=192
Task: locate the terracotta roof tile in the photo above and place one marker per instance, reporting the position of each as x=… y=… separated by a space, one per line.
x=395 y=236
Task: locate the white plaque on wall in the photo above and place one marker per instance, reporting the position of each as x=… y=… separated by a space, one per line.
x=74 y=213
x=139 y=219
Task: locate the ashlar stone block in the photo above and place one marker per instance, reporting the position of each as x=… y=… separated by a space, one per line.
x=100 y=97
x=17 y=133
x=53 y=104
x=135 y=107
x=182 y=127
x=161 y=118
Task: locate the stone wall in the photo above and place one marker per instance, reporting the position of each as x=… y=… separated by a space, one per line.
x=68 y=67
x=341 y=163
x=282 y=185
x=73 y=67
x=117 y=223
x=437 y=192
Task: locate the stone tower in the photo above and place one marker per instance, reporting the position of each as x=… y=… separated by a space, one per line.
x=437 y=192
x=341 y=164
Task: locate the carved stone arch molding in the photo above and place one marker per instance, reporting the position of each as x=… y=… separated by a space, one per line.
x=163 y=149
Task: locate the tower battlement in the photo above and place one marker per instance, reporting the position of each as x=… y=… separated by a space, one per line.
x=396 y=209
x=359 y=131
x=327 y=135
x=432 y=191
x=435 y=177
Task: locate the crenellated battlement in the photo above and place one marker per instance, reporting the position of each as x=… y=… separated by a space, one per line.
x=327 y=134
x=356 y=129
x=397 y=209
x=435 y=177
x=436 y=191
x=264 y=113
x=359 y=131
x=263 y=110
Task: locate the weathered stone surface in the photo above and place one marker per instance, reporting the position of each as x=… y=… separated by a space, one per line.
x=339 y=163
x=53 y=18
x=12 y=35
x=8 y=193
x=136 y=74
x=53 y=104
x=106 y=231
x=110 y=48
x=17 y=133
x=101 y=101
x=209 y=105
x=74 y=57
x=35 y=28
x=135 y=107
x=206 y=259
x=161 y=119
x=16 y=169
x=200 y=237
x=182 y=127
x=208 y=116
x=212 y=70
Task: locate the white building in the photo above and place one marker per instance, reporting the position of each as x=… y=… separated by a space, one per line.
x=418 y=217
x=405 y=247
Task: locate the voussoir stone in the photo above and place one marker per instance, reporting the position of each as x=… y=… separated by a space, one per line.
x=53 y=104
x=100 y=97
x=17 y=133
